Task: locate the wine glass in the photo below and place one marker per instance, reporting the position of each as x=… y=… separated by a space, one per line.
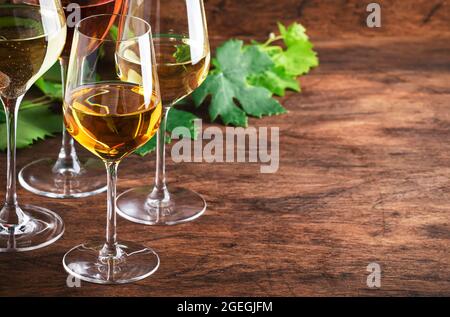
x=69 y=176
x=112 y=113
x=32 y=35
x=183 y=59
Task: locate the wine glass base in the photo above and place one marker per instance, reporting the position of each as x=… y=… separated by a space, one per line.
x=135 y=263
x=43 y=228
x=185 y=206
x=39 y=178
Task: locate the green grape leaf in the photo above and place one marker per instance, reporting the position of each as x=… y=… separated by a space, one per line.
x=114 y=32
x=15 y=21
x=276 y=80
x=54 y=73
x=35 y=122
x=296 y=58
x=50 y=88
x=293 y=34
x=299 y=57
x=233 y=97
x=176 y=118
x=50 y=83
x=182 y=53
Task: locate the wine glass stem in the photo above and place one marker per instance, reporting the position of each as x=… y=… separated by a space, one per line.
x=160 y=191
x=110 y=248
x=11 y=213
x=67 y=159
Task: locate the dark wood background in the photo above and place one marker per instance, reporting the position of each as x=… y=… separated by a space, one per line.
x=364 y=174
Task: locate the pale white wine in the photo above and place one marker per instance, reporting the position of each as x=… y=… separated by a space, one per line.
x=31 y=40
x=178 y=75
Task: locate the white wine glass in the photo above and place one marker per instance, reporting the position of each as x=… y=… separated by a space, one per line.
x=183 y=58
x=68 y=175
x=32 y=36
x=111 y=114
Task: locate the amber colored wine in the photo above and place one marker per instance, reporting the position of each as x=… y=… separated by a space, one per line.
x=26 y=50
x=88 y=8
x=178 y=75
x=112 y=120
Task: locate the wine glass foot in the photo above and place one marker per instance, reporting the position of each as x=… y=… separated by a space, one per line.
x=185 y=206
x=134 y=263
x=39 y=178
x=42 y=229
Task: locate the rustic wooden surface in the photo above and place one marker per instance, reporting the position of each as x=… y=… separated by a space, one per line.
x=364 y=174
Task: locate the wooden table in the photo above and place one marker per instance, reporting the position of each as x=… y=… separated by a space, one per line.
x=364 y=174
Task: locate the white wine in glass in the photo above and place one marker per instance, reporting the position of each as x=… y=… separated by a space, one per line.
x=183 y=60
x=112 y=119
x=111 y=116
x=67 y=175
x=178 y=75
x=32 y=36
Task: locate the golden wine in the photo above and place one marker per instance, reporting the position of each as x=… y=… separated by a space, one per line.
x=112 y=120
x=28 y=48
x=178 y=75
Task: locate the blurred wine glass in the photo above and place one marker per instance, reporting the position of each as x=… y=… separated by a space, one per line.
x=68 y=176
x=32 y=36
x=183 y=59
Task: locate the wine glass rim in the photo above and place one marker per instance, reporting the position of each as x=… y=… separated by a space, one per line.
x=134 y=38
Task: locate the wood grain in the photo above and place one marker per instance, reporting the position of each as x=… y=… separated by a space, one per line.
x=328 y=19
x=364 y=174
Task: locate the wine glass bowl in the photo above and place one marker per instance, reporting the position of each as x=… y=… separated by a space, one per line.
x=183 y=59
x=32 y=36
x=112 y=106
